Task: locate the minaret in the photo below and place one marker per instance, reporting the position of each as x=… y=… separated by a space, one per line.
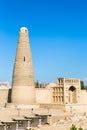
x=23 y=91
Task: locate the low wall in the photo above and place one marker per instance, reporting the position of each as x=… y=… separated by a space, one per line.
x=53 y=106
x=76 y=107
x=22 y=106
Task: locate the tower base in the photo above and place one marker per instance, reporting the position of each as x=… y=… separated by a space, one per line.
x=23 y=95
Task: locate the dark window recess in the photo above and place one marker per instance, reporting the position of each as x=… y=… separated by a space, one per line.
x=25 y=31
x=24 y=58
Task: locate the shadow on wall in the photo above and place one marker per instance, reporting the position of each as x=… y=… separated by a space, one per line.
x=9 y=95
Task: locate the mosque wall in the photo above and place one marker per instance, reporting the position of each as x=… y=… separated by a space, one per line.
x=83 y=97
x=4 y=88
x=43 y=96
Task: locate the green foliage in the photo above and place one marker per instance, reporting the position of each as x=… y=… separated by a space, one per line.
x=82 y=85
x=73 y=127
x=80 y=128
x=37 y=84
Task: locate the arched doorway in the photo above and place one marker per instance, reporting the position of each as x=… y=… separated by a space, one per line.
x=72 y=95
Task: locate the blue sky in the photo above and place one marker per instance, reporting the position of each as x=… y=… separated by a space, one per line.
x=58 y=37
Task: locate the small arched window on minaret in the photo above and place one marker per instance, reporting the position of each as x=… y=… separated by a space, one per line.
x=25 y=31
x=24 y=58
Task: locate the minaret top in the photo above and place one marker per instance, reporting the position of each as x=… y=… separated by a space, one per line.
x=23 y=30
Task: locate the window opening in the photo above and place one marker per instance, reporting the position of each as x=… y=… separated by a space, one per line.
x=24 y=58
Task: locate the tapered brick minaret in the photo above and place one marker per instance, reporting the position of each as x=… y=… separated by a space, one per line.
x=23 y=91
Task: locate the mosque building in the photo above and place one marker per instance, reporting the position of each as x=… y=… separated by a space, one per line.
x=65 y=92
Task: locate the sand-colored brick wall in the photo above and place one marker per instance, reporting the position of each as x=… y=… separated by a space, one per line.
x=43 y=96
x=3 y=97
x=23 y=90
x=83 y=97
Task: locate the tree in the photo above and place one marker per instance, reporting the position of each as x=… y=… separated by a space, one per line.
x=37 y=84
x=80 y=128
x=82 y=85
x=73 y=127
